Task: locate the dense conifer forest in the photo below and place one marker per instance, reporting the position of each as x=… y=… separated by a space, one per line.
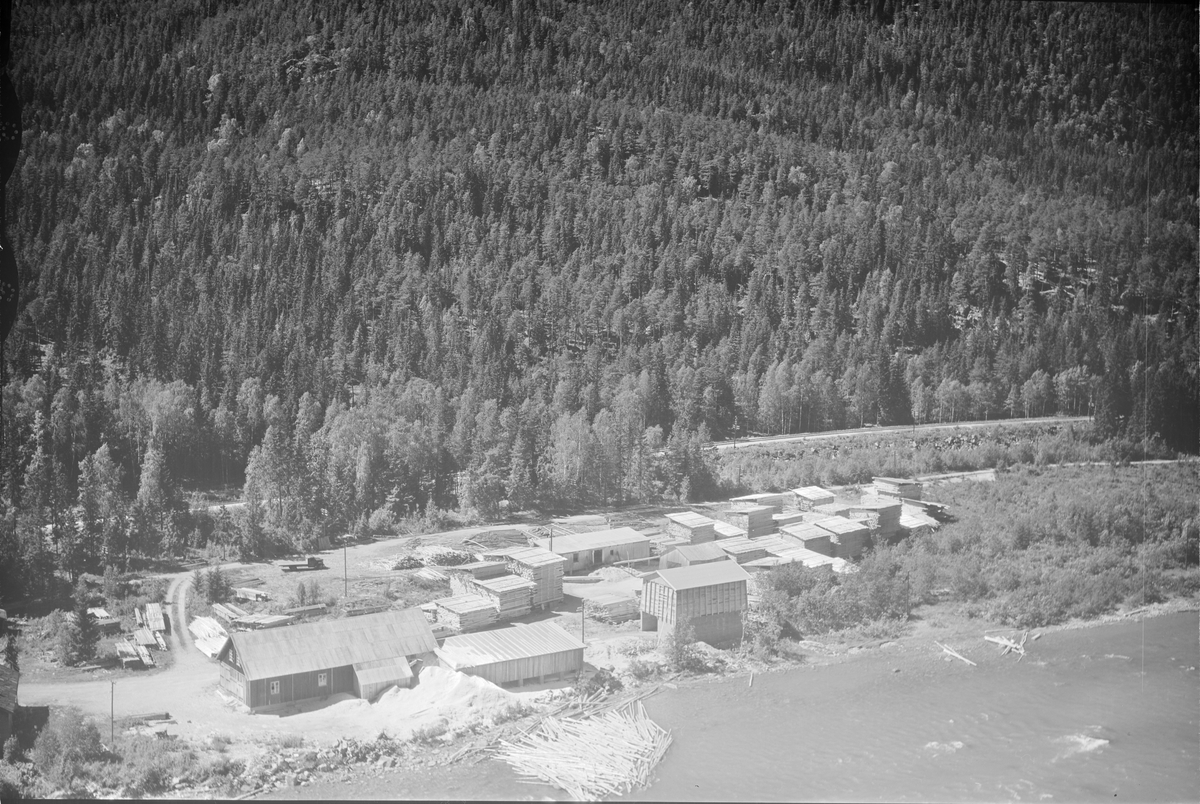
x=366 y=260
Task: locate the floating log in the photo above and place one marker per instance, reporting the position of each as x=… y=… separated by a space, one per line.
x=955 y=654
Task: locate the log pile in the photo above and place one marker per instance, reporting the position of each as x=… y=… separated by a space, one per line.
x=606 y=755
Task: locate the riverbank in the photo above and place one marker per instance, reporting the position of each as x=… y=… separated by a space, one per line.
x=704 y=710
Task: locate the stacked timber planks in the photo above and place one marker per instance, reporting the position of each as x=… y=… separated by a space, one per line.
x=848 y=536
x=689 y=525
x=511 y=595
x=723 y=530
x=611 y=607
x=809 y=497
x=885 y=512
x=811 y=537
x=154 y=617
x=898 y=487
x=790 y=518
x=776 y=502
x=225 y=613
x=756 y=520
x=466 y=612
x=832 y=509
x=539 y=565
x=743 y=549
x=479 y=569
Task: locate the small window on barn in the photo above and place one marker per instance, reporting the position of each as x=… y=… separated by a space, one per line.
x=574 y=556
x=274 y=687
x=322 y=679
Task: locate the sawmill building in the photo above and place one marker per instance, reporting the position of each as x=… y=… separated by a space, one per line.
x=362 y=656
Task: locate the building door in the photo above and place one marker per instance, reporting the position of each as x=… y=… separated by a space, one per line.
x=597 y=557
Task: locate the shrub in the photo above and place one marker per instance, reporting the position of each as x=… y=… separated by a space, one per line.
x=290 y=741
x=641 y=669
x=602 y=679
x=65 y=745
x=679 y=645
x=428 y=734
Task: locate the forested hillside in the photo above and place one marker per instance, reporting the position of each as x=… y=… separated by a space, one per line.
x=394 y=255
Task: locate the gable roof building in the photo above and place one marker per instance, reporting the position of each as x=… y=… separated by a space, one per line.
x=362 y=655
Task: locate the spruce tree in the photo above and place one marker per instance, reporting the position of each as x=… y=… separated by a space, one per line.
x=86 y=635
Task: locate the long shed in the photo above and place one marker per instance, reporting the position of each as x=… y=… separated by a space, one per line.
x=514 y=655
x=584 y=551
x=359 y=655
x=711 y=597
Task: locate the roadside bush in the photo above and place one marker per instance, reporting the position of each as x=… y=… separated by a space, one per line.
x=65 y=746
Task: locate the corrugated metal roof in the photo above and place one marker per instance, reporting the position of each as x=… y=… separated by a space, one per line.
x=465 y=604
x=506 y=583
x=598 y=540
x=699 y=575
x=505 y=644
x=332 y=643
x=9 y=679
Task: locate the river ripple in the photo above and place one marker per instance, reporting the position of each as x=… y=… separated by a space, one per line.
x=1104 y=713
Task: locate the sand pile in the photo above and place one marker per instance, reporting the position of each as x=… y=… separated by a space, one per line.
x=443 y=699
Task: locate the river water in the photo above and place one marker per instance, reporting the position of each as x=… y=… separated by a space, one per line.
x=1106 y=713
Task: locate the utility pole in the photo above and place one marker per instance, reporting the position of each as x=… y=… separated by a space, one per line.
x=112 y=697
x=345 y=570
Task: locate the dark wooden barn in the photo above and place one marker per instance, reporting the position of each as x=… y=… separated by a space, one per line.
x=358 y=655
